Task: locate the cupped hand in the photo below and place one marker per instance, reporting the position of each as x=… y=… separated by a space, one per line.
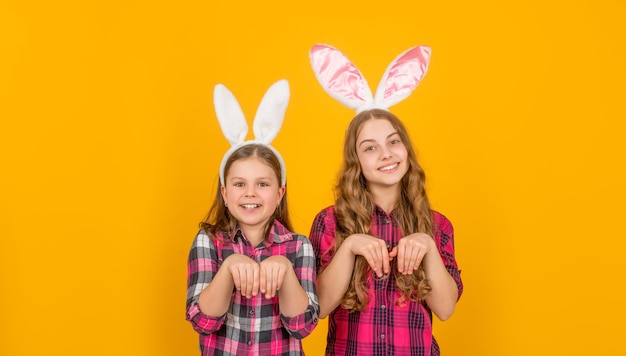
x=374 y=250
x=411 y=250
x=245 y=273
x=272 y=274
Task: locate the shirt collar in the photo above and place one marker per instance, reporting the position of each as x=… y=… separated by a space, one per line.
x=278 y=234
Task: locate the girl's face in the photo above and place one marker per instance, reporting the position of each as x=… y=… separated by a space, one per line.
x=382 y=154
x=252 y=193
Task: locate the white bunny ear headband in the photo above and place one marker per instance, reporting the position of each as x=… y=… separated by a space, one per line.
x=344 y=82
x=267 y=122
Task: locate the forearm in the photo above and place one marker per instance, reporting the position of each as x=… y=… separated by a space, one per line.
x=292 y=298
x=333 y=282
x=215 y=299
x=444 y=293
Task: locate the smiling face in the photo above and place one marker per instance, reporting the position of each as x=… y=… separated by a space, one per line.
x=381 y=153
x=252 y=192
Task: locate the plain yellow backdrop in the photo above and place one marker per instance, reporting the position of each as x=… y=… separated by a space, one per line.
x=109 y=149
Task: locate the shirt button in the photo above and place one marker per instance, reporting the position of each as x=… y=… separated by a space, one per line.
x=383 y=306
x=382 y=336
x=252 y=312
x=249 y=342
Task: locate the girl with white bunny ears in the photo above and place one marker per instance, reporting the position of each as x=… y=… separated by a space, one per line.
x=251 y=286
x=385 y=259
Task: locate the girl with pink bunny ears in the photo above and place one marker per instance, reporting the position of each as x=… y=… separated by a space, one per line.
x=385 y=259
x=251 y=280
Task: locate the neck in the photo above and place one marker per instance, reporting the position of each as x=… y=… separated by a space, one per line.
x=386 y=197
x=254 y=234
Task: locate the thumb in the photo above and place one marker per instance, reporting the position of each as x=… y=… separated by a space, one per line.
x=394 y=252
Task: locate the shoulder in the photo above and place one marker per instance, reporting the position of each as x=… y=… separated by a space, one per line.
x=441 y=223
x=300 y=239
x=203 y=239
x=326 y=213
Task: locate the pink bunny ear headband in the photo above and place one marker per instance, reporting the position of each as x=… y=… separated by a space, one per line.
x=267 y=122
x=344 y=82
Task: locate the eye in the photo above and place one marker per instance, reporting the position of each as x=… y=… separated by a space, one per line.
x=395 y=141
x=238 y=184
x=369 y=148
x=264 y=184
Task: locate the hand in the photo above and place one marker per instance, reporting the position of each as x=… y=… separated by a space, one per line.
x=373 y=249
x=245 y=273
x=410 y=251
x=272 y=274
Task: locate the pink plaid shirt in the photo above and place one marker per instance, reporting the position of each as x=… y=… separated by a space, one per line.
x=251 y=326
x=383 y=328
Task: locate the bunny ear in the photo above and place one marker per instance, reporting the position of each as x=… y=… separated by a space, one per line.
x=402 y=76
x=339 y=77
x=271 y=112
x=229 y=115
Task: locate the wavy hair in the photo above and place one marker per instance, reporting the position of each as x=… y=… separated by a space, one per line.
x=354 y=207
x=218 y=219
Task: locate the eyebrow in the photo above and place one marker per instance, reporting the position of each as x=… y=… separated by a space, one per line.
x=242 y=178
x=372 y=140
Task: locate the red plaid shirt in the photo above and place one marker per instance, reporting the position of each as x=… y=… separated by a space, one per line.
x=383 y=328
x=251 y=326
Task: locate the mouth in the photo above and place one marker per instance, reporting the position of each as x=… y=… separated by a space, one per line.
x=250 y=206
x=388 y=168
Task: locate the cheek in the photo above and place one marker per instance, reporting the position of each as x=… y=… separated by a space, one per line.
x=363 y=161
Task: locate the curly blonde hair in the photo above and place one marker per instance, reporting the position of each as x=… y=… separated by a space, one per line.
x=354 y=207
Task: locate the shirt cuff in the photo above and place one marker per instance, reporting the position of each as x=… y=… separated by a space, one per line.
x=301 y=325
x=202 y=323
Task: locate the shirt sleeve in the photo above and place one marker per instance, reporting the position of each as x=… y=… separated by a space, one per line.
x=445 y=243
x=201 y=268
x=302 y=325
x=322 y=237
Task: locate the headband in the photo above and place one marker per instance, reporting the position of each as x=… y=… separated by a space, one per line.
x=346 y=84
x=267 y=122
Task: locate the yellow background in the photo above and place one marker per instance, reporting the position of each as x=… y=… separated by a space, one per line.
x=109 y=149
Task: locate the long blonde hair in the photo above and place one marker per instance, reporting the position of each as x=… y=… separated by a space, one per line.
x=218 y=219
x=354 y=206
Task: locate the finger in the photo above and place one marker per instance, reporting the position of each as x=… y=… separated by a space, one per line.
x=263 y=279
x=370 y=261
x=269 y=289
x=255 y=279
x=281 y=278
x=419 y=259
x=385 y=259
x=275 y=274
x=411 y=260
x=377 y=258
x=401 y=257
x=393 y=253
x=234 y=272
x=245 y=289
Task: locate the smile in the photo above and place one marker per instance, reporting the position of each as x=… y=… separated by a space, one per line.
x=250 y=206
x=388 y=168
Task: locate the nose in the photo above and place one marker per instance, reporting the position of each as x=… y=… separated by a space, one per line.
x=250 y=190
x=385 y=152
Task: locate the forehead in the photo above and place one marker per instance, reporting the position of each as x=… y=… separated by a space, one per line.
x=375 y=128
x=251 y=168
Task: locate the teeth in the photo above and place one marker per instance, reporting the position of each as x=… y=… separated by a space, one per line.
x=387 y=168
x=250 y=206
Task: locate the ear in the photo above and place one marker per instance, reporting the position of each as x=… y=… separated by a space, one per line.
x=281 y=193
x=223 y=192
